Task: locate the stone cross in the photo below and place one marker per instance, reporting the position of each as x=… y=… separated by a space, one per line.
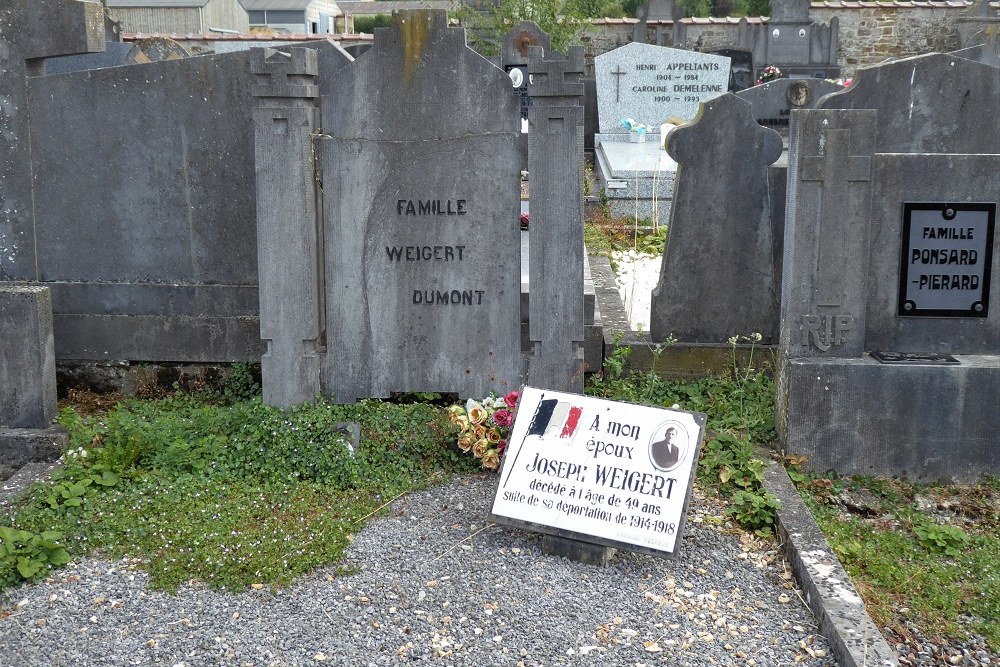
x=827 y=227
x=834 y=170
x=555 y=250
x=288 y=236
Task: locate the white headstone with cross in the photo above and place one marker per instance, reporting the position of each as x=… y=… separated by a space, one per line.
x=652 y=84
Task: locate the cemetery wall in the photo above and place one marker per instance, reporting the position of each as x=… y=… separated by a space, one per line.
x=869 y=35
x=869 y=32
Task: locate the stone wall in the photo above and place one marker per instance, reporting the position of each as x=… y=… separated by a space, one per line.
x=869 y=32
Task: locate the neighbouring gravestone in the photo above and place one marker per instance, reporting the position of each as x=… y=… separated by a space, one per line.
x=31 y=31
x=27 y=358
x=27 y=379
x=420 y=195
x=721 y=270
x=890 y=349
x=514 y=57
x=151 y=256
x=935 y=103
x=652 y=84
x=599 y=471
x=289 y=270
x=556 y=238
x=771 y=103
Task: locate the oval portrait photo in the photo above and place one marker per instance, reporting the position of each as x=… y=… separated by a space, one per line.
x=668 y=446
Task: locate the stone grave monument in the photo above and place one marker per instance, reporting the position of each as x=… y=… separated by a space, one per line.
x=721 y=270
x=27 y=379
x=650 y=85
x=414 y=271
x=771 y=103
x=890 y=338
x=935 y=103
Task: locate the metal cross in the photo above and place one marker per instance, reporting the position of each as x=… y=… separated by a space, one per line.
x=618 y=73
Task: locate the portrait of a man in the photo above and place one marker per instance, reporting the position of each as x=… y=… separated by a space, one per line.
x=666 y=452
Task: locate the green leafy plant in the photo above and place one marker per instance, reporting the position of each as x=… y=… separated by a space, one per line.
x=25 y=554
x=754 y=510
x=940 y=538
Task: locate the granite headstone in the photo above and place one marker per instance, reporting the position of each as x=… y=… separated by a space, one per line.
x=771 y=103
x=652 y=84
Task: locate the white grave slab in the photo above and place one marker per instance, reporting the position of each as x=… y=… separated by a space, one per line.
x=600 y=471
x=652 y=84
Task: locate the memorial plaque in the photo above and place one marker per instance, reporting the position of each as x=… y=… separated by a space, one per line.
x=947 y=254
x=912 y=358
x=599 y=471
x=652 y=84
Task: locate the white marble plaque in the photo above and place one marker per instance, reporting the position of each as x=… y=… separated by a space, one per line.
x=652 y=84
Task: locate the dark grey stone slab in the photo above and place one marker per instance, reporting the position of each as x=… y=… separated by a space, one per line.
x=288 y=231
x=901 y=178
x=556 y=233
x=981 y=53
x=860 y=417
x=24 y=446
x=789 y=11
x=173 y=198
x=185 y=338
x=419 y=151
x=33 y=30
x=824 y=282
x=771 y=103
x=854 y=638
x=27 y=358
x=720 y=275
x=935 y=103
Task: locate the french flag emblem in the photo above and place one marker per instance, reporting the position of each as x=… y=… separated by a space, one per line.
x=555 y=418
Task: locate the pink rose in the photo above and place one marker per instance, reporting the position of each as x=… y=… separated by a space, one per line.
x=502 y=418
x=511 y=399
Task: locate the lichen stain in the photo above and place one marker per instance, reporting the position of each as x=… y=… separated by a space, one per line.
x=413 y=31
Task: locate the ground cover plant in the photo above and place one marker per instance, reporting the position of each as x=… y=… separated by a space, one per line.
x=925 y=558
x=221 y=489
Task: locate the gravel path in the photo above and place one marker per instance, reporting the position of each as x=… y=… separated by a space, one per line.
x=436 y=584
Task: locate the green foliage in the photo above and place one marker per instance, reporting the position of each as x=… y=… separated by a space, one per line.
x=740 y=413
x=24 y=555
x=754 y=510
x=242 y=383
x=895 y=559
x=232 y=493
x=940 y=538
x=367 y=24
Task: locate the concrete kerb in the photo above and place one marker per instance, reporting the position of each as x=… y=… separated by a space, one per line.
x=853 y=636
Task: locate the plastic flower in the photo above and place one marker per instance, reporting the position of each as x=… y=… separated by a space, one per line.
x=502 y=418
x=466 y=441
x=493 y=435
x=479 y=449
x=476 y=412
x=491 y=460
x=511 y=399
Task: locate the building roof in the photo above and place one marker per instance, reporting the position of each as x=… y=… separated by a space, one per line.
x=157 y=3
x=275 y=5
x=380 y=7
